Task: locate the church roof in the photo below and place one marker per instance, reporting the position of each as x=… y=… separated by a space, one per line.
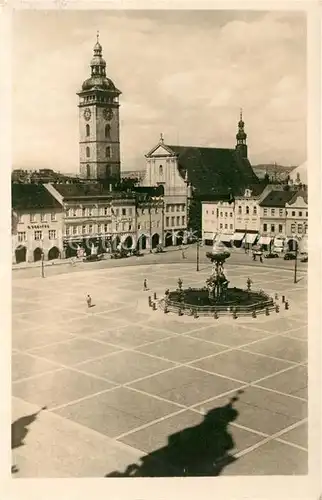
x=81 y=190
x=32 y=196
x=214 y=170
x=296 y=195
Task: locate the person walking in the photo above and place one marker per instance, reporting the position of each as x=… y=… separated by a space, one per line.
x=89 y=301
x=145 y=285
x=183 y=253
x=261 y=258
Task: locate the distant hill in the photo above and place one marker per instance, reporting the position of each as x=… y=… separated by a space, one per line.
x=273 y=170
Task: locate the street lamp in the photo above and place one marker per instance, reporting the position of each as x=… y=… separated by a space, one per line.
x=42 y=264
x=295 y=262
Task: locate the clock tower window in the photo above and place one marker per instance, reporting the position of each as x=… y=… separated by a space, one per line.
x=108 y=131
x=108 y=152
x=87 y=152
x=88 y=130
x=88 y=171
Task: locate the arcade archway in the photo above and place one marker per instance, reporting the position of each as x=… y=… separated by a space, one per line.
x=21 y=254
x=179 y=238
x=53 y=253
x=141 y=244
x=155 y=240
x=128 y=242
x=37 y=254
x=168 y=240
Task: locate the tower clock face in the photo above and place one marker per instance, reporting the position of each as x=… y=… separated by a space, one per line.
x=107 y=114
x=87 y=114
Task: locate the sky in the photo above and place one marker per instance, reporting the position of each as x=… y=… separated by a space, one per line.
x=183 y=73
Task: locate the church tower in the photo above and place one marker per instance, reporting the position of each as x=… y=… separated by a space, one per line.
x=241 y=137
x=99 y=125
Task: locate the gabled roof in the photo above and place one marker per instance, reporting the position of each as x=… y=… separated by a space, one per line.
x=90 y=190
x=32 y=196
x=296 y=195
x=214 y=170
x=277 y=199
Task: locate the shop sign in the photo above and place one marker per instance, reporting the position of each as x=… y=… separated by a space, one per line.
x=39 y=226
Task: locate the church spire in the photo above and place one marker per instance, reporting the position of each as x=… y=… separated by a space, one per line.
x=241 y=136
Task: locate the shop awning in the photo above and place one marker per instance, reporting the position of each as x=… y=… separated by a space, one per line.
x=250 y=238
x=264 y=240
x=224 y=237
x=238 y=236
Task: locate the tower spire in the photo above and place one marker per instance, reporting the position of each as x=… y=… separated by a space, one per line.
x=241 y=136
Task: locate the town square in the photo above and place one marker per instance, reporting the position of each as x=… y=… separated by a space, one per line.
x=118 y=379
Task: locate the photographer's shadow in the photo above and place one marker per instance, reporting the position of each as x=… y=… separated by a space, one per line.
x=201 y=450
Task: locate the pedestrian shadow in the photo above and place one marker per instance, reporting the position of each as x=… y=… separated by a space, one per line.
x=201 y=450
x=19 y=430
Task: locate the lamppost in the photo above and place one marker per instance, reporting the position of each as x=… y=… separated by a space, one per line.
x=295 y=262
x=198 y=246
x=42 y=264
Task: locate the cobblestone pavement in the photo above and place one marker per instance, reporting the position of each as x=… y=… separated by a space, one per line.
x=120 y=382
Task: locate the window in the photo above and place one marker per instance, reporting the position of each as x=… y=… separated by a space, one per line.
x=272 y=228
x=281 y=212
x=38 y=235
x=88 y=130
x=22 y=236
x=83 y=229
x=272 y=211
x=32 y=217
x=265 y=211
x=130 y=210
x=265 y=228
x=67 y=230
x=206 y=212
x=293 y=228
x=43 y=218
x=226 y=226
x=87 y=152
x=90 y=228
x=74 y=212
x=300 y=214
x=74 y=229
x=172 y=221
x=90 y=212
x=52 y=234
x=307 y=214
x=226 y=214
x=178 y=208
x=123 y=226
x=116 y=227
x=108 y=152
x=139 y=225
x=212 y=212
x=255 y=210
x=105 y=211
x=160 y=170
x=88 y=171
x=220 y=226
x=117 y=211
x=178 y=220
x=108 y=131
x=183 y=220
x=221 y=214
x=239 y=210
x=142 y=211
x=167 y=208
x=172 y=208
x=230 y=226
x=20 y=218
x=247 y=209
x=167 y=221
x=231 y=214
x=84 y=212
x=293 y=213
x=305 y=228
x=183 y=207
x=123 y=211
x=300 y=228
x=53 y=217
x=280 y=228
x=130 y=227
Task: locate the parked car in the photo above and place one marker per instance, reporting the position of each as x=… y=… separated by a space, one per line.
x=159 y=249
x=120 y=254
x=305 y=258
x=290 y=256
x=93 y=258
x=271 y=255
x=136 y=253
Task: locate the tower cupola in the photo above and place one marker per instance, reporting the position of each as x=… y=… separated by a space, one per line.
x=241 y=137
